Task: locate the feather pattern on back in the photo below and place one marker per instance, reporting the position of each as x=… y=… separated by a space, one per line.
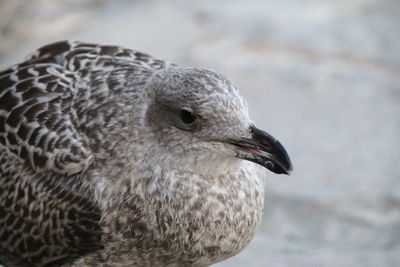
x=49 y=112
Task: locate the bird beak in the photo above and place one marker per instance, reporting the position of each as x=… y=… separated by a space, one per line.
x=263 y=149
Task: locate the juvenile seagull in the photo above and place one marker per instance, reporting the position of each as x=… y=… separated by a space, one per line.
x=110 y=157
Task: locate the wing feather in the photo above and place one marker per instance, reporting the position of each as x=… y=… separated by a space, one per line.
x=48 y=212
x=74 y=55
x=44 y=221
x=36 y=119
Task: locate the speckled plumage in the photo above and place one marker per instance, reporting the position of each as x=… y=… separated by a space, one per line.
x=98 y=169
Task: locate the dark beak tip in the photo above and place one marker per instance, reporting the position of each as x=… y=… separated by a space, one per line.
x=281 y=163
x=287 y=170
x=290 y=171
x=281 y=160
x=275 y=158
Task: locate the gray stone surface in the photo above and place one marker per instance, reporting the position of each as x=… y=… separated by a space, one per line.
x=321 y=75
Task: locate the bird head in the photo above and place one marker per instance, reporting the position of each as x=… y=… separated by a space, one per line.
x=199 y=119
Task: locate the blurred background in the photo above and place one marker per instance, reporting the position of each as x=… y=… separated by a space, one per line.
x=321 y=75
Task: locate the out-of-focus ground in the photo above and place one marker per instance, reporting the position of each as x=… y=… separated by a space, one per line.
x=321 y=75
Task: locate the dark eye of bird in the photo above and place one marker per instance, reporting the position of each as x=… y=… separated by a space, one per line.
x=187 y=116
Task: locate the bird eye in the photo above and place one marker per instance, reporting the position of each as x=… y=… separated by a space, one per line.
x=187 y=116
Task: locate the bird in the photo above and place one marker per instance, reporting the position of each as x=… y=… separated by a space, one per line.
x=112 y=157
